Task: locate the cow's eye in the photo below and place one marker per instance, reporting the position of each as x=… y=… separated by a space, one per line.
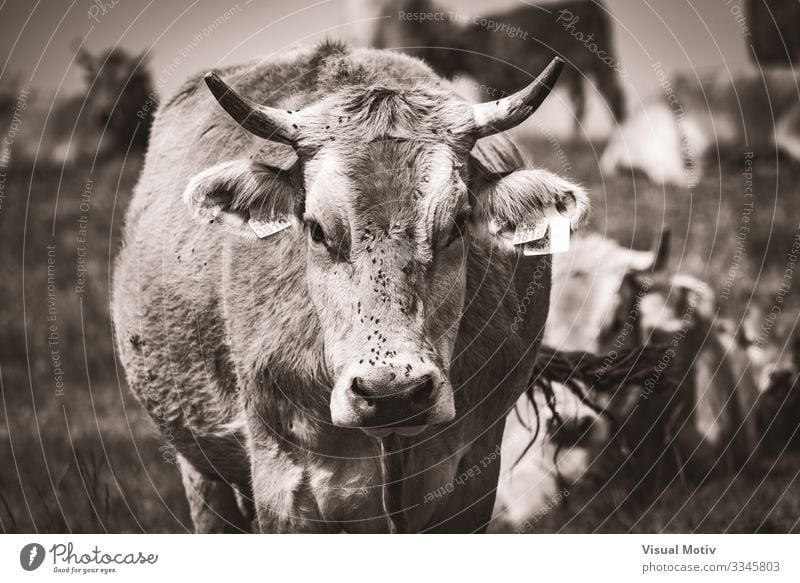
x=317 y=234
x=459 y=227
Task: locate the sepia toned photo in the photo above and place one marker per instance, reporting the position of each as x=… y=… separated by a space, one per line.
x=399 y=267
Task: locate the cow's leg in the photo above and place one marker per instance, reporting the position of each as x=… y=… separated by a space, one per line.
x=610 y=89
x=577 y=92
x=212 y=502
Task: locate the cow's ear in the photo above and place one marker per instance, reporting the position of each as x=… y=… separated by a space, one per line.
x=503 y=202
x=230 y=192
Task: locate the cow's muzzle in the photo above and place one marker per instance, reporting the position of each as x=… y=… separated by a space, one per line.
x=402 y=398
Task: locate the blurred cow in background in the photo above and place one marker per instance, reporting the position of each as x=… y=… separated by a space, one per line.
x=643 y=436
x=581 y=310
x=111 y=117
x=669 y=139
x=773 y=25
x=503 y=50
x=706 y=424
x=777 y=356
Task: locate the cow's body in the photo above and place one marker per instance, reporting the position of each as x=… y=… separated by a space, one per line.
x=229 y=363
x=774 y=38
x=456 y=44
x=670 y=139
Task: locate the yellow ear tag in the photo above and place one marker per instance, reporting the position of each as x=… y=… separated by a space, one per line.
x=265 y=225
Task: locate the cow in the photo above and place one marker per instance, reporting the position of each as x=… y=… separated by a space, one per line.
x=778 y=407
x=586 y=282
x=670 y=139
x=111 y=117
x=316 y=294
x=773 y=39
x=643 y=436
x=703 y=426
x=491 y=48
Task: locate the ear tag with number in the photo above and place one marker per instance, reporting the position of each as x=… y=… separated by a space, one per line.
x=555 y=240
x=549 y=234
x=264 y=225
x=533 y=232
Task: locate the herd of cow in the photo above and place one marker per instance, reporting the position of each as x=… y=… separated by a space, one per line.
x=356 y=366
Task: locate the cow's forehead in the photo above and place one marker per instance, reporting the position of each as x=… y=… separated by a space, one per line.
x=365 y=115
x=388 y=181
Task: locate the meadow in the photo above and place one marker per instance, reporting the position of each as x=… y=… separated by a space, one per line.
x=78 y=454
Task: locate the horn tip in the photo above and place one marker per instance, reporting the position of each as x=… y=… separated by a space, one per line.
x=557 y=64
x=215 y=84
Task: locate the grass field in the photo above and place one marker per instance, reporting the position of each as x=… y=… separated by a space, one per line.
x=79 y=454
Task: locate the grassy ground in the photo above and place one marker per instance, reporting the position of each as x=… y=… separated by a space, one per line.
x=78 y=453
x=83 y=457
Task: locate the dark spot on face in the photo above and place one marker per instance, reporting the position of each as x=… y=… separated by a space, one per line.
x=136 y=342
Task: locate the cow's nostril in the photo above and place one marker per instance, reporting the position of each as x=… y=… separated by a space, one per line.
x=359 y=391
x=422 y=391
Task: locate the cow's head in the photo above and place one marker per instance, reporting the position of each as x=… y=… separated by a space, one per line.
x=389 y=197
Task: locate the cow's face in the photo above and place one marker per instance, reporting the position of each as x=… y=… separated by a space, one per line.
x=389 y=198
x=387 y=232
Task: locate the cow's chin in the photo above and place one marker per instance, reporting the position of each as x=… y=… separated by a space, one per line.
x=381 y=432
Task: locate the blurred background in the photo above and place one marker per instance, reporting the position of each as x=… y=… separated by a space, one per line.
x=679 y=116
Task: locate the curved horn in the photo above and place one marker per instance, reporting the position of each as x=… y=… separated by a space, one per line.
x=494 y=117
x=661 y=251
x=265 y=122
